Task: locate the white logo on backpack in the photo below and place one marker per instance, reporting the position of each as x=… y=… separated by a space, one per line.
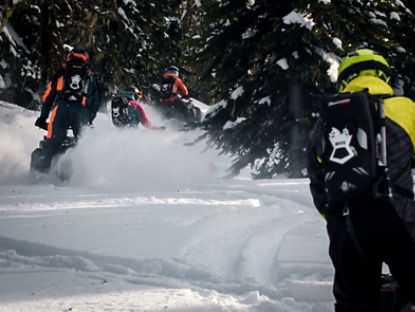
x=341 y=140
x=75 y=82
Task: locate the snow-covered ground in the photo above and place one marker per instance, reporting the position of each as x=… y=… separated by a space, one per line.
x=148 y=223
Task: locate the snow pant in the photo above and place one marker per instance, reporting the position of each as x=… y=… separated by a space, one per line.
x=64 y=116
x=174 y=109
x=371 y=234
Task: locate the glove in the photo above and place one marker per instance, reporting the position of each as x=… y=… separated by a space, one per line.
x=41 y=123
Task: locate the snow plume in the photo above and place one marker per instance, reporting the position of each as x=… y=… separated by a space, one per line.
x=110 y=158
x=140 y=159
x=18 y=137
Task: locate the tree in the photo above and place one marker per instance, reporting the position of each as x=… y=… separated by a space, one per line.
x=267 y=59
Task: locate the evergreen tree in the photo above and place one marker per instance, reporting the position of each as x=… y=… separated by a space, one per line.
x=130 y=42
x=267 y=58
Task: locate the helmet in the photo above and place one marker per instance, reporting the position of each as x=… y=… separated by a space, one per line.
x=173 y=70
x=363 y=62
x=79 y=54
x=134 y=91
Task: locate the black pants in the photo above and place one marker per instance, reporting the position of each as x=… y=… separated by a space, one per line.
x=64 y=116
x=381 y=237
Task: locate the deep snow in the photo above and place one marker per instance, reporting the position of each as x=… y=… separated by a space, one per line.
x=148 y=223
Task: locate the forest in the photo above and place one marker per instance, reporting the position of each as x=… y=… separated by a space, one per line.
x=261 y=62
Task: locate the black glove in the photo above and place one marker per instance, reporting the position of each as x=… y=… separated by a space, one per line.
x=41 y=123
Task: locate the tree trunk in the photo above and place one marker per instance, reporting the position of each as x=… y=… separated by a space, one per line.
x=298 y=132
x=45 y=43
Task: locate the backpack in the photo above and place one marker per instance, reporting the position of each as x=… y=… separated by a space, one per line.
x=76 y=80
x=119 y=112
x=353 y=147
x=166 y=88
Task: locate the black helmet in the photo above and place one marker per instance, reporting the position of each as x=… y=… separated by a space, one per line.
x=79 y=53
x=173 y=70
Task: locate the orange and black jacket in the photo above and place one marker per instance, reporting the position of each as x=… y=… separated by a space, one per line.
x=178 y=86
x=54 y=95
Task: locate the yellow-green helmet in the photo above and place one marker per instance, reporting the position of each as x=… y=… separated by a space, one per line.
x=363 y=62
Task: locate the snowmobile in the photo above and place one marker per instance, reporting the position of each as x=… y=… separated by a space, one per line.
x=39 y=164
x=122 y=115
x=183 y=109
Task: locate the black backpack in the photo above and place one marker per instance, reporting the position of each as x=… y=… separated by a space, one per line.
x=76 y=80
x=353 y=147
x=119 y=113
x=166 y=88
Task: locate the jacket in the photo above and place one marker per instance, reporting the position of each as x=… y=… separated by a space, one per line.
x=178 y=86
x=143 y=115
x=400 y=140
x=54 y=94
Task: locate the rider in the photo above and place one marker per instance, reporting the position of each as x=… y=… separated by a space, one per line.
x=136 y=112
x=73 y=97
x=170 y=87
x=372 y=230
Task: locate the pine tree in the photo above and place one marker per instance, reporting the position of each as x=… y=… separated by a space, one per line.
x=267 y=58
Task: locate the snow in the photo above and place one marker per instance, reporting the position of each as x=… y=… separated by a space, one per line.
x=2 y=83
x=148 y=223
x=283 y=63
x=231 y=124
x=304 y=20
x=265 y=100
x=237 y=93
x=395 y=16
x=333 y=60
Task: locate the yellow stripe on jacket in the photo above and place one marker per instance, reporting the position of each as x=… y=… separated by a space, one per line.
x=399 y=109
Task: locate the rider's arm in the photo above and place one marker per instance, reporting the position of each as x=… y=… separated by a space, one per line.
x=143 y=115
x=93 y=99
x=315 y=172
x=181 y=87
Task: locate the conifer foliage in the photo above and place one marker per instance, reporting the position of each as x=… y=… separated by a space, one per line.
x=268 y=58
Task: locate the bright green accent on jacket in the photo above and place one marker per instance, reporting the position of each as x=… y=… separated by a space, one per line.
x=374 y=84
x=399 y=109
x=402 y=111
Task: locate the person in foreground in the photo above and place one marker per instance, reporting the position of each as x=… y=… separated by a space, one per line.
x=73 y=98
x=370 y=230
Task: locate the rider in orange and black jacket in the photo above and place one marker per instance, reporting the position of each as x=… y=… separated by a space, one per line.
x=73 y=98
x=170 y=88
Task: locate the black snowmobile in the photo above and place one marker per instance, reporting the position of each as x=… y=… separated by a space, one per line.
x=39 y=163
x=183 y=110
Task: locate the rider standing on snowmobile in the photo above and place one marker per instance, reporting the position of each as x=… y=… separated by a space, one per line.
x=73 y=97
x=170 y=86
x=367 y=231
